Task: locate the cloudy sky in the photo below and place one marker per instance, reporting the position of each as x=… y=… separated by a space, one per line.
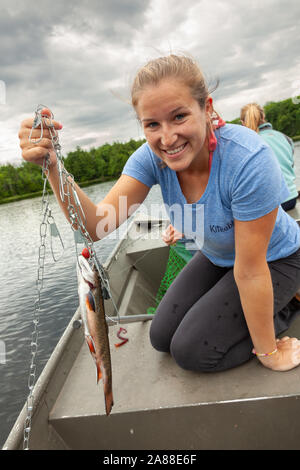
x=79 y=57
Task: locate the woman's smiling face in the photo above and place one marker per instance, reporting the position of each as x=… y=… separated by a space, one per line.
x=174 y=124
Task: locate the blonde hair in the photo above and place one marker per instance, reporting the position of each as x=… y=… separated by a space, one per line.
x=252 y=115
x=182 y=68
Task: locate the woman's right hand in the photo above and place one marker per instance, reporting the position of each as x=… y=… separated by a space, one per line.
x=171 y=235
x=35 y=153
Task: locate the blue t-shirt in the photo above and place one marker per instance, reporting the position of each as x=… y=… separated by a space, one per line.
x=245 y=183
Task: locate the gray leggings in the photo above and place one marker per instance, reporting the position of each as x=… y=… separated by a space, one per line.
x=200 y=320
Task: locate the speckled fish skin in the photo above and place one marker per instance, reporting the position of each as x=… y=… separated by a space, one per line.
x=95 y=325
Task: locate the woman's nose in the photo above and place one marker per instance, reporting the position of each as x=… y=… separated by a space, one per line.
x=168 y=136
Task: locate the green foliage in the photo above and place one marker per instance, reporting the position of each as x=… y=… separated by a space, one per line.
x=17 y=180
x=283 y=115
x=235 y=121
x=102 y=163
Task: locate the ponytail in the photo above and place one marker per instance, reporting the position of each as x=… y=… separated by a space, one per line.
x=252 y=115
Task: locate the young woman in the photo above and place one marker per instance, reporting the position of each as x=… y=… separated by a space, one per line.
x=233 y=295
x=253 y=116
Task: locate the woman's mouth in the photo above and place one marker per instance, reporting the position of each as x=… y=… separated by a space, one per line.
x=175 y=152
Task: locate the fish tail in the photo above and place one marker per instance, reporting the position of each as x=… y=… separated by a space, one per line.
x=107 y=387
x=109 y=401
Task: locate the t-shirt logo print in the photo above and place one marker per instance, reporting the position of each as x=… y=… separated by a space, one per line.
x=219 y=228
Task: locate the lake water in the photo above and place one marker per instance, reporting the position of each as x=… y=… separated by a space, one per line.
x=19 y=241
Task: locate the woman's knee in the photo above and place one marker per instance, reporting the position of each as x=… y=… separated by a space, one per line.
x=158 y=338
x=205 y=357
x=195 y=358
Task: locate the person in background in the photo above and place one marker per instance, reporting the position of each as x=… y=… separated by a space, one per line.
x=253 y=116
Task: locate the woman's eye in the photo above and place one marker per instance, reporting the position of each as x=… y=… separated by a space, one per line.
x=179 y=117
x=152 y=125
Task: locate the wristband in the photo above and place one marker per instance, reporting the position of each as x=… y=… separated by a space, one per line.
x=264 y=354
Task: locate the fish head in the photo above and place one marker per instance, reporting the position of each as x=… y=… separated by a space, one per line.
x=85 y=272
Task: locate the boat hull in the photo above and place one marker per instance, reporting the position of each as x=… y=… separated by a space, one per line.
x=157 y=404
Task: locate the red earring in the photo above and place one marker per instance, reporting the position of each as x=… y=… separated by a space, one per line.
x=212 y=141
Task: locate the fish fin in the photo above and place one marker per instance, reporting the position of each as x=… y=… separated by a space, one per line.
x=90 y=301
x=99 y=373
x=91 y=345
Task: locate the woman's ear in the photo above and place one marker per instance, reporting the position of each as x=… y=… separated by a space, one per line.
x=209 y=106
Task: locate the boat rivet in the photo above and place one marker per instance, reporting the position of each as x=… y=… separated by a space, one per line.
x=77 y=324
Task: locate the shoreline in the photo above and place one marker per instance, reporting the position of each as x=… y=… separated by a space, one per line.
x=83 y=184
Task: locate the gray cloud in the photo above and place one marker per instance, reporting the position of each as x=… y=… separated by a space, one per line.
x=77 y=57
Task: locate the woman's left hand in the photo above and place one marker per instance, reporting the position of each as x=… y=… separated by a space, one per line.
x=287 y=356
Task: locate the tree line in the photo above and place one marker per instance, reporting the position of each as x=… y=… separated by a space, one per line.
x=283 y=115
x=96 y=165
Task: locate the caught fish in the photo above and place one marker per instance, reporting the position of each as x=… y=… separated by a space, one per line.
x=95 y=326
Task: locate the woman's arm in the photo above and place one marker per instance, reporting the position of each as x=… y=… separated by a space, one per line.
x=102 y=218
x=253 y=279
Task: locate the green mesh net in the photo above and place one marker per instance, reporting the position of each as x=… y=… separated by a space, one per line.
x=178 y=258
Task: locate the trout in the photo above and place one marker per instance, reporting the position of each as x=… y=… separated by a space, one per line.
x=95 y=326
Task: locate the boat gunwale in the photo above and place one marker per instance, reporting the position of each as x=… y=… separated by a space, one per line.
x=15 y=436
x=140 y=217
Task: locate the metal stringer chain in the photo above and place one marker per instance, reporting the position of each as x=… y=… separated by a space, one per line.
x=77 y=220
x=37 y=307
